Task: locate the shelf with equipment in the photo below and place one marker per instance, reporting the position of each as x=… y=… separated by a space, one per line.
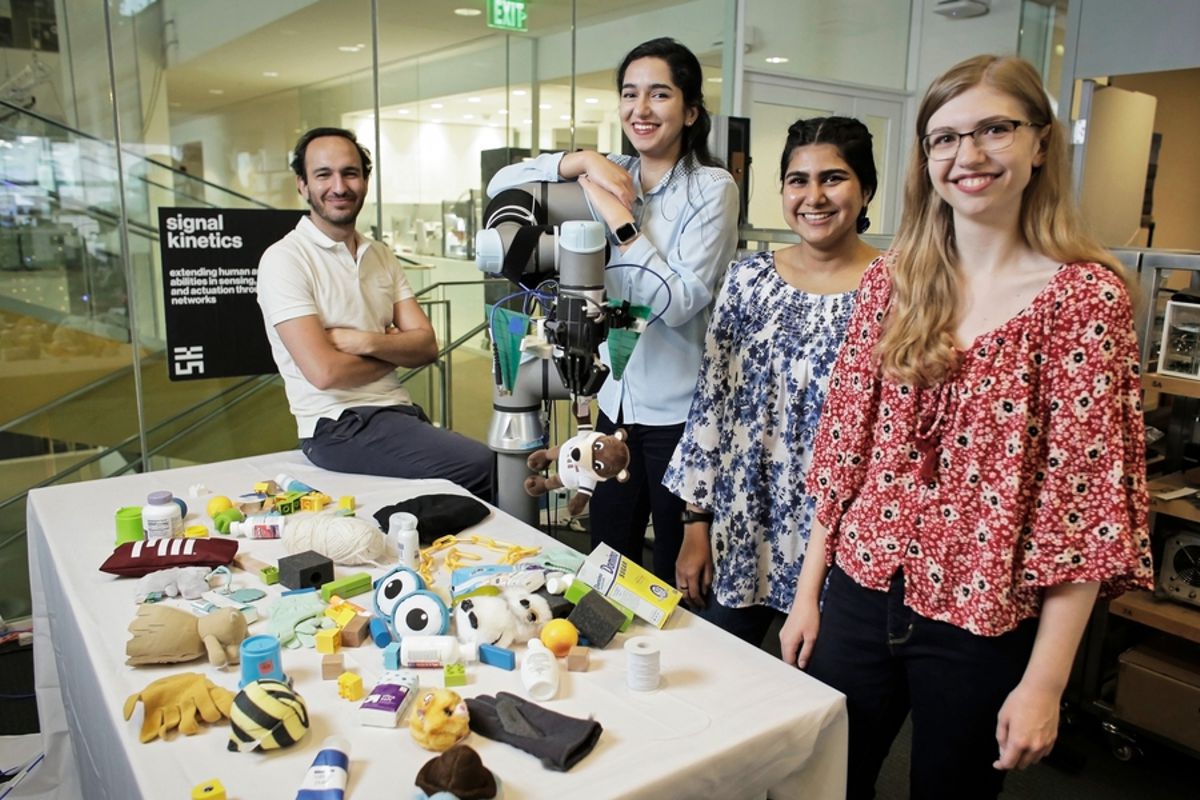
x=1129 y=671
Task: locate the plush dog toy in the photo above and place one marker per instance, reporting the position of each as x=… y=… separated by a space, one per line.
x=439 y=720
x=165 y=635
x=584 y=460
x=512 y=616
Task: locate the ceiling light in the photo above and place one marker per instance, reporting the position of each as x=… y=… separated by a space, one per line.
x=467 y=12
x=527 y=121
x=592 y=100
x=776 y=60
x=437 y=105
x=468 y=116
x=716 y=79
x=519 y=92
x=402 y=111
x=565 y=117
x=348 y=48
x=270 y=74
x=474 y=100
x=545 y=106
x=216 y=91
x=436 y=121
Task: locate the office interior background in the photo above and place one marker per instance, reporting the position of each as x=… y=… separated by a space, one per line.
x=112 y=110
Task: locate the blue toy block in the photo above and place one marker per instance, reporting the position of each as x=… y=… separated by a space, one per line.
x=380 y=634
x=391 y=656
x=495 y=656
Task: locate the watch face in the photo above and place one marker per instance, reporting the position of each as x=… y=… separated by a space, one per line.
x=626 y=232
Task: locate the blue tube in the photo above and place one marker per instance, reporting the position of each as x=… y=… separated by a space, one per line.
x=327 y=777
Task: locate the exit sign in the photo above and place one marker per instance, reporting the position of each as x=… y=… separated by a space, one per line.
x=507 y=15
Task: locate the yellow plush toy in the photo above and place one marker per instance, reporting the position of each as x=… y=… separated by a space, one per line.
x=439 y=720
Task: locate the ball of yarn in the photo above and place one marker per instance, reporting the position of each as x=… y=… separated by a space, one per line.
x=343 y=540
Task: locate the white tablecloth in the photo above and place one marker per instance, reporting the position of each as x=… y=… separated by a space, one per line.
x=729 y=721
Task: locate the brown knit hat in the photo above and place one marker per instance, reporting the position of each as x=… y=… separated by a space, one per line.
x=459 y=771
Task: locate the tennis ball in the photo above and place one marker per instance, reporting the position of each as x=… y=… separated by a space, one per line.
x=218 y=504
x=559 y=636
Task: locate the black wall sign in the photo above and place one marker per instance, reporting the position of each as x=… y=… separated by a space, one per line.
x=210 y=268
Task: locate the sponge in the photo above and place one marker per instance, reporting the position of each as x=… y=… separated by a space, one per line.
x=596 y=619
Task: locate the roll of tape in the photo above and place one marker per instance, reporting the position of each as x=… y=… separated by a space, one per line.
x=642 y=670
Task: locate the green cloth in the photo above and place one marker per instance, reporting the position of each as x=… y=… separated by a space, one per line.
x=508 y=329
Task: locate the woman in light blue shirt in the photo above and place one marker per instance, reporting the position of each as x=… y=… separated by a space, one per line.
x=672 y=210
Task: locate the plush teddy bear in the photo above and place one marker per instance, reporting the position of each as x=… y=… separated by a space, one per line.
x=583 y=461
x=510 y=617
x=165 y=635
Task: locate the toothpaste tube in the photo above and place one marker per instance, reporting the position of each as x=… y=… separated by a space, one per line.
x=327 y=777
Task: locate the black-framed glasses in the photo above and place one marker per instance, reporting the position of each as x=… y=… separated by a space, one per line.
x=990 y=137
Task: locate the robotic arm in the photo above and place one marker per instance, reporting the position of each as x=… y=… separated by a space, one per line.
x=544 y=232
x=534 y=235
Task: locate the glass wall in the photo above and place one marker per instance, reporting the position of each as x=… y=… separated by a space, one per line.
x=205 y=100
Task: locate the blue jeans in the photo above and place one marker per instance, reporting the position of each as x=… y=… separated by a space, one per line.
x=400 y=442
x=620 y=511
x=888 y=660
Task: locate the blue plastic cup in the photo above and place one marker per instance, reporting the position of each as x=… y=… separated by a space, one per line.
x=260 y=659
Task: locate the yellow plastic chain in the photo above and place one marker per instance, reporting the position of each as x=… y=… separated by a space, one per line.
x=427 y=567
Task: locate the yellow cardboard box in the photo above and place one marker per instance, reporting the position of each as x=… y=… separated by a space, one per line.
x=629 y=585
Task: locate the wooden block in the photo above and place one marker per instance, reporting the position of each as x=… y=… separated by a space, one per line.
x=577 y=659
x=332 y=665
x=356 y=631
x=247 y=562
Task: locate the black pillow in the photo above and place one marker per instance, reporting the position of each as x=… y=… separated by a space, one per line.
x=437 y=515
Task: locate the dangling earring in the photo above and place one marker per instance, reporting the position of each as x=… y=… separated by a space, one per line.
x=864 y=222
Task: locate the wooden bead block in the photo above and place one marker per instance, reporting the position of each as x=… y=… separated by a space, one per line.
x=577 y=659
x=356 y=631
x=332 y=665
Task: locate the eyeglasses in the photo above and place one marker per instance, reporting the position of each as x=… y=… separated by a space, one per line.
x=990 y=137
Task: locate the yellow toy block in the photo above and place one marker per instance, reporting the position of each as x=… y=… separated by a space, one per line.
x=209 y=790
x=314 y=501
x=266 y=487
x=350 y=686
x=329 y=640
x=346 y=502
x=341 y=614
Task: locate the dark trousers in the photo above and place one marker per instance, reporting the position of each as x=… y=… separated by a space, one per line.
x=750 y=624
x=888 y=659
x=400 y=442
x=620 y=511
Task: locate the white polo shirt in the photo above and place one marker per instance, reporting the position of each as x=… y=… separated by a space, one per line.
x=307 y=273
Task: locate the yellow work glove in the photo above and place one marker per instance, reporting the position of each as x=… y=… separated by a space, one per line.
x=175 y=701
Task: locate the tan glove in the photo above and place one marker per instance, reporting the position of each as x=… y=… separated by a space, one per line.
x=176 y=700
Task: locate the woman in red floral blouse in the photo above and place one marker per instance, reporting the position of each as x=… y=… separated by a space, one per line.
x=979 y=470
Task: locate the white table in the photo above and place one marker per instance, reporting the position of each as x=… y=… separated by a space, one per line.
x=729 y=721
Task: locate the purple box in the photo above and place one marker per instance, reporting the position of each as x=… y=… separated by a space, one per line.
x=386 y=703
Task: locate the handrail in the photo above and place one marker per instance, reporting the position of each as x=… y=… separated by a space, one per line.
x=76 y=132
x=256 y=384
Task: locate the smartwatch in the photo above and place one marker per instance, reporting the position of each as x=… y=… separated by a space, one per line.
x=688 y=516
x=626 y=233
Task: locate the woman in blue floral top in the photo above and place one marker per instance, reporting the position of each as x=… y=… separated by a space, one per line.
x=774 y=336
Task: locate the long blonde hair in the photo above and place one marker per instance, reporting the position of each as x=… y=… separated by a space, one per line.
x=917 y=344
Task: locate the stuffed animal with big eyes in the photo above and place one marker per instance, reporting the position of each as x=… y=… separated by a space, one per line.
x=584 y=460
